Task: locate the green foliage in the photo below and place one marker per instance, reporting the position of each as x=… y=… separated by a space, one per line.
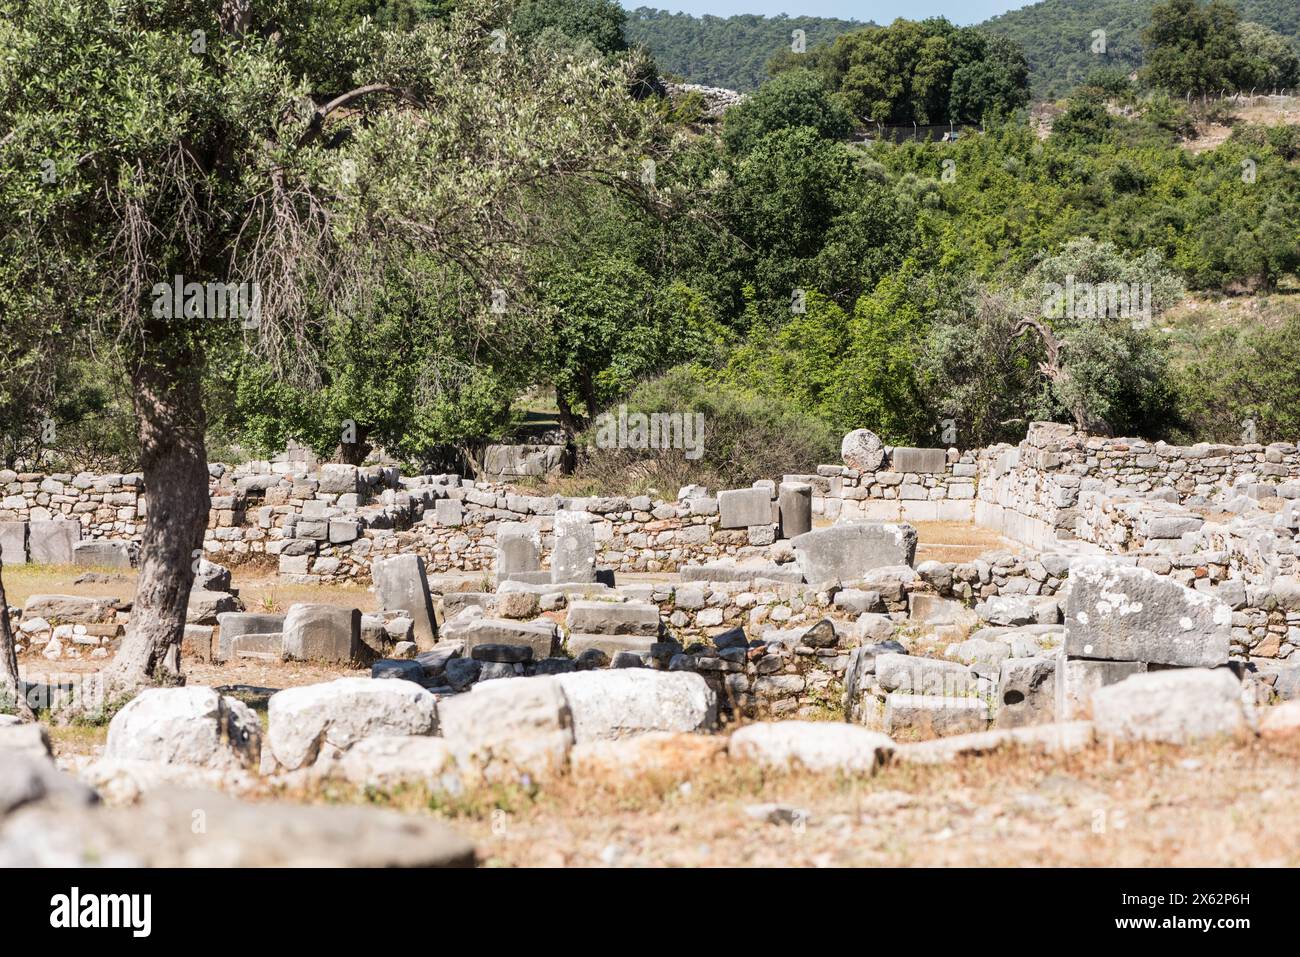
x=811 y=215
x=748 y=434
x=797 y=98
x=1058 y=36
x=926 y=72
x=550 y=23
x=1240 y=374
x=731 y=52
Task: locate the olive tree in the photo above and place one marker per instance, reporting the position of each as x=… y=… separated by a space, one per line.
x=151 y=147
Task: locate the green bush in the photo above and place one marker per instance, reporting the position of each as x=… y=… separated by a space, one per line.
x=746 y=436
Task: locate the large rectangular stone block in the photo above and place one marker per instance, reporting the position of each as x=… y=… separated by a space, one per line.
x=849 y=551
x=614 y=618
x=795 y=504
x=50 y=542
x=1077 y=679
x=539 y=635
x=401 y=584
x=742 y=507
x=13 y=543
x=519 y=549
x=574 y=558
x=922 y=461
x=1124 y=613
x=101 y=553
x=327 y=633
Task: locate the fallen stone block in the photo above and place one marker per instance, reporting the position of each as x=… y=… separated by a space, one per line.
x=1176 y=706
x=614 y=618
x=502 y=730
x=196 y=642
x=849 y=552
x=309 y=720
x=1077 y=680
x=916 y=675
x=160 y=832
x=621 y=703
x=1026 y=692
x=811 y=746
x=233 y=624
x=794 y=501
x=211 y=577
x=402 y=585
x=1125 y=613
x=662 y=753
x=328 y=633
x=193 y=726
x=609 y=645
x=205 y=606
x=540 y=635
x=390 y=761
x=70 y=609
x=934 y=715
x=1044 y=739
x=51 y=542
x=102 y=553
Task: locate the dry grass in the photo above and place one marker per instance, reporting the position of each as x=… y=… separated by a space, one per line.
x=260 y=590
x=1217 y=805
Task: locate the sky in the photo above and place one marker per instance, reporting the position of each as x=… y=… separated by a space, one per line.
x=961 y=12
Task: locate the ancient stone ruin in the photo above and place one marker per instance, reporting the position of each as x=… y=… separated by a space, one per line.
x=1147 y=592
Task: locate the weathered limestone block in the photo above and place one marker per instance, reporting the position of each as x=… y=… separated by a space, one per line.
x=1175 y=706
x=234 y=624
x=919 y=461
x=574 y=557
x=935 y=715
x=924 y=676
x=540 y=635
x=504 y=729
x=1125 y=613
x=742 y=507
x=811 y=746
x=614 y=618
x=1026 y=692
x=13 y=543
x=309 y=720
x=850 y=551
x=51 y=542
x=192 y=726
x=327 y=633
x=518 y=550
x=607 y=705
x=402 y=585
x=1078 y=679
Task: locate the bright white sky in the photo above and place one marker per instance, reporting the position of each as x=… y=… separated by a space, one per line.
x=881 y=11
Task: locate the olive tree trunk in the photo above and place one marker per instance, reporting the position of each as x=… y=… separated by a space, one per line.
x=169 y=412
x=12 y=699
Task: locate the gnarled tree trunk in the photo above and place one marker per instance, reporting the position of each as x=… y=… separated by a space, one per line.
x=166 y=377
x=12 y=699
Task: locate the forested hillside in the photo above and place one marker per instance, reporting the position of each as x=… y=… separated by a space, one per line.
x=1057 y=35
x=725 y=51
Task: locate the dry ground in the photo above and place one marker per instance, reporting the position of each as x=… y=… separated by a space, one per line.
x=1220 y=804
